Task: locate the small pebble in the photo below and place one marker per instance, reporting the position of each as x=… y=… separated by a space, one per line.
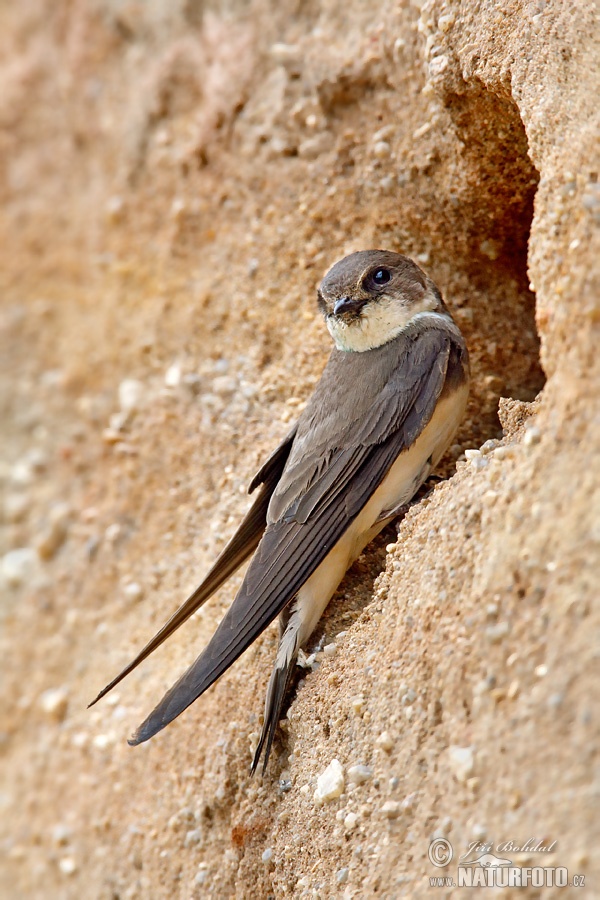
x=385 y=742
x=67 y=865
x=102 y=741
x=341 y=875
x=173 y=376
x=55 y=531
x=112 y=532
x=358 y=704
x=61 y=835
x=19 y=566
x=381 y=149
x=513 y=690
x=359 y=774
x=192 y=837
x=532 y=436
x=267 y=855
x=54 y=703
x=495 y=633
x=504 y=452
x=384 y=133
x=445 y=22
x=330 y=784
x=133 y=590
x=462 y=762
x=21 y=473
x=488 y=446
x=283 y=54
x=131 y=393
x=312 y=147
x=391 y=809
x=329 y=649
x=350 y=821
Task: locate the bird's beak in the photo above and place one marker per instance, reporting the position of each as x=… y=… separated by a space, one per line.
x=347 y=305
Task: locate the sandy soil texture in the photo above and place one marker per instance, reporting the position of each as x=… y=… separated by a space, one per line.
x=175 y=177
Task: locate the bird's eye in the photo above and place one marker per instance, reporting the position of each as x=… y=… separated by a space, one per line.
x=380 y=277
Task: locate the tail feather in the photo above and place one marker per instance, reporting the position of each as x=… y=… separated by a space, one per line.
x=276 y=691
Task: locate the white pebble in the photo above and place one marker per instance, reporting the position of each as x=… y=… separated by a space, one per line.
x=21 y=473
x=192 y=837
x=421 y=130
x=54 y=703
x=532 y=436
x=446 y=22
x=495 y=633
x=341 y=875
x=384 y=133
x=131 y=393
x=18 y=566
x=133 y=590
x=385 y=742
x=359 y=774
x=462 y=762
x=350 y=821
x=67 y=865
x=267 y=855
x=312 y=147
x=391 y=809
x=283 y=54
x=102 y=741
x=504 y=451
x=173 y=376
x=472 y=454
x=80 y=739
x=358 y=704
x=329 y=649
x=112 y=532
x=438 y=65
x=381 y=149
x=330 y=784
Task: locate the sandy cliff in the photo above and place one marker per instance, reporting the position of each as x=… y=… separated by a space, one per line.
x=174 y=180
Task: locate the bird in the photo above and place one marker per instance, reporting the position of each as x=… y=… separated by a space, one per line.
x=387 y=406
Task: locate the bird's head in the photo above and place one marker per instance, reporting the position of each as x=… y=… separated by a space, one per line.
x=369 y=297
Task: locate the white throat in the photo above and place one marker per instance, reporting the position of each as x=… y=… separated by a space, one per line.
x=380 y=323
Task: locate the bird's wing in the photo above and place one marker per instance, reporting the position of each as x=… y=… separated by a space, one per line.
x=292 y=547
x=237 y=551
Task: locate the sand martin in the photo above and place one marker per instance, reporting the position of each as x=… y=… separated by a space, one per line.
x=389 y=401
